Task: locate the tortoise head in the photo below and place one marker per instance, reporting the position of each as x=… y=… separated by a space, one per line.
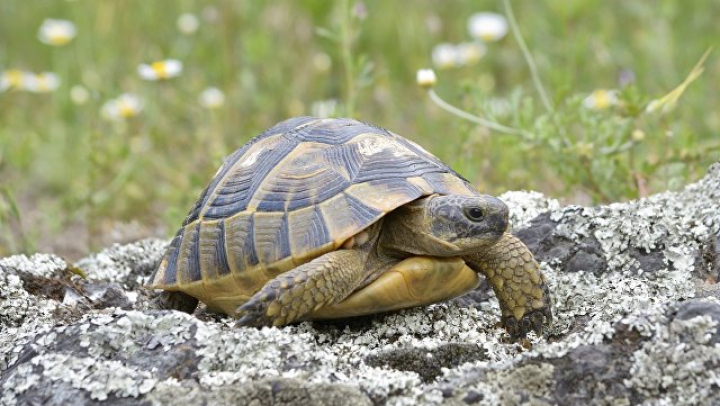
x=467 y=222
x=446 y=225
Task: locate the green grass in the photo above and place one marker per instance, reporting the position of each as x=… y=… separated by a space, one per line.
x=74 y=177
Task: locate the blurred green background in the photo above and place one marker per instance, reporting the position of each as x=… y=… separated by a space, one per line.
x=73 y=181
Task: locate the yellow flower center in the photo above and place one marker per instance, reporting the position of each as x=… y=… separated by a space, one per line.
x=126 y=109
x=14 y=78
x=160 y=69
x=602 y=99
x=488 y=36
x=58 y=36
x=59 y=40
x=42 y=83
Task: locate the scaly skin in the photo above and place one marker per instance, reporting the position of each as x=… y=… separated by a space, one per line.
x=520 y=287
x=321 y=282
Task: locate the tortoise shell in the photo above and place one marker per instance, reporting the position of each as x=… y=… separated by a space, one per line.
x=299 y=190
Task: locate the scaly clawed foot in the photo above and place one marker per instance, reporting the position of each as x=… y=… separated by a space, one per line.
x=537 y=320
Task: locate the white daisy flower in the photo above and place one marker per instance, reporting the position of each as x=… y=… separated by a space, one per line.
x=43 y=82
x=56 y=32
x=211 y=98
x=15 y=79
x=601 y=99
x=426 y=78
x=488 y=27
x=125 y=106
x=188 y=23
x=469 y=53
x=160 y=70
x=444 y=56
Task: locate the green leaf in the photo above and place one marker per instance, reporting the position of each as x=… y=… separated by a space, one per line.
x=326 y=33
x=9 y=198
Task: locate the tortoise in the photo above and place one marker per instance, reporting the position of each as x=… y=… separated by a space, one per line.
x=328 y=218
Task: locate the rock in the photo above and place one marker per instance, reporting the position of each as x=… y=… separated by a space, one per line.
x=472 y=397
x=583 y=254
x=427 y=363
x=637 y=321
x=266 y=392
x=128 y=265
x=592 y=372
x=698 y=308
x=707 y=260
x=102 y=295
x=477 y=298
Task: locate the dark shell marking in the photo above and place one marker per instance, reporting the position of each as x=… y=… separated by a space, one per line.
x=294 y=192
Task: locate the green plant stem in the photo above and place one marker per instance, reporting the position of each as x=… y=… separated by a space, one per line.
x=13 y=212
x=473 y=118
x=346 y=44
x=528 y=58
x=534 y=74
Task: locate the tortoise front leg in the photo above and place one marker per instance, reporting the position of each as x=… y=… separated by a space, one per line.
x=323 y=281
x=520 y=287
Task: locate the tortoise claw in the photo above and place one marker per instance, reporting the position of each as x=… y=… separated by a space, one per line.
x=251 y=320
x=253 y=313
x=536 y=320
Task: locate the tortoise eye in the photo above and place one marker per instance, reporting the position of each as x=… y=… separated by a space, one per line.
x=474 y=213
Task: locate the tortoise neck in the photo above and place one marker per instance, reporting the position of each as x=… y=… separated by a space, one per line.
x=407 y=231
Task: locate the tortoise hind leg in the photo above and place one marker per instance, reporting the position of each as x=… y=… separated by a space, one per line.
x=175 y=301
x=416 y=281
x=323 y=281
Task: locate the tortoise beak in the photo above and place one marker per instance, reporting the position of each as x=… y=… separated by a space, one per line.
x=498 y=214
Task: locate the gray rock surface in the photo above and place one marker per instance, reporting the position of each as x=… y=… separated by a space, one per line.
x=635 y=298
